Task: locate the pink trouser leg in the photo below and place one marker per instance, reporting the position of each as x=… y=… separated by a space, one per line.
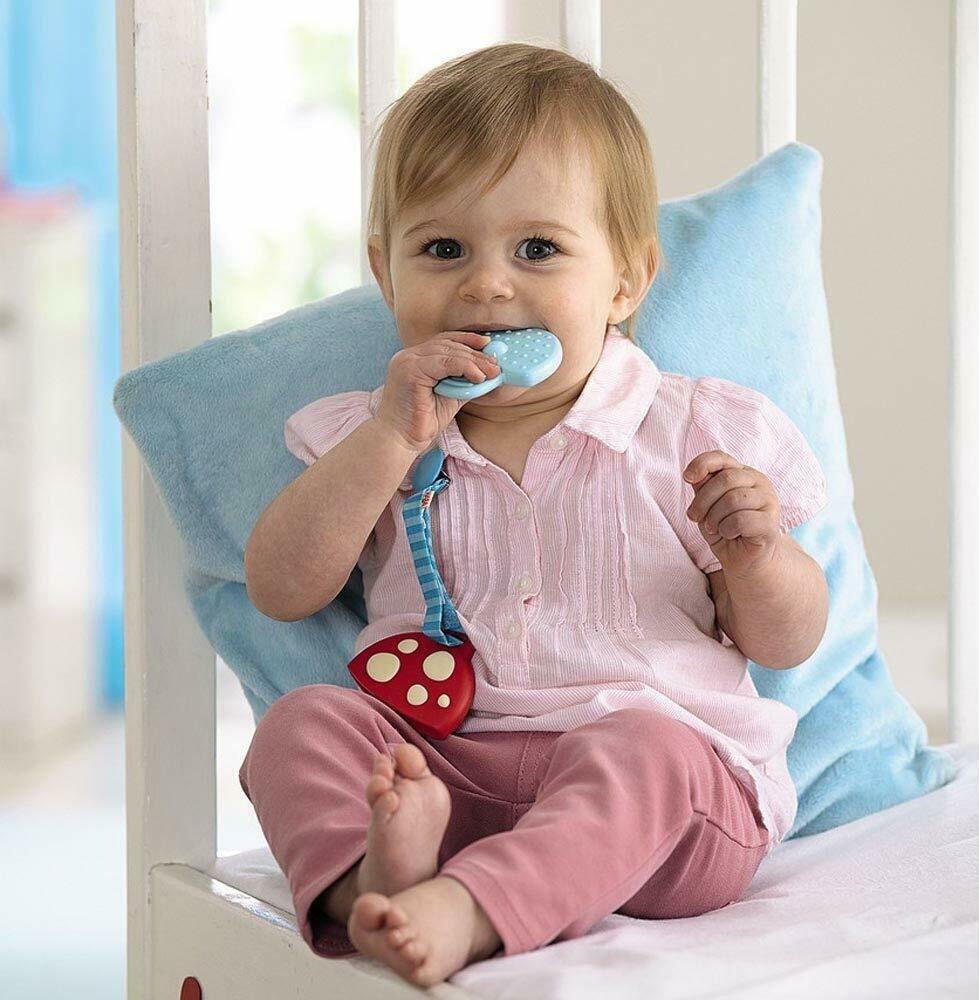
x=306 y=773
x=634 y=813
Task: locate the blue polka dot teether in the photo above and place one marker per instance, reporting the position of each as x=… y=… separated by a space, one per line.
x=427 y=677
x=525 y=357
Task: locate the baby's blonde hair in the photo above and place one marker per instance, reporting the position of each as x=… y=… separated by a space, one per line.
x=479 y=110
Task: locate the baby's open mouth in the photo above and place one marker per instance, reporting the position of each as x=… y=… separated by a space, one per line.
x=486 y=328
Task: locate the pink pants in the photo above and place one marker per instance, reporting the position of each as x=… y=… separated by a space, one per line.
x=549 y=831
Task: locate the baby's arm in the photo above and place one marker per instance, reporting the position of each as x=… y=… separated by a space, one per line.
x=308 y=540
x=777 y=617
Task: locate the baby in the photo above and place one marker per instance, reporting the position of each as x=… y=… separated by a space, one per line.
x=614 y=539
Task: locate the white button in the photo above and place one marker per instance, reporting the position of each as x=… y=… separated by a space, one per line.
x=512 y=629
x=525 y=583
x=523 y=509
x=558 y=442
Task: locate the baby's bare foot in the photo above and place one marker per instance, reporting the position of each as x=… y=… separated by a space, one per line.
x=410 y=812
x=426 y=933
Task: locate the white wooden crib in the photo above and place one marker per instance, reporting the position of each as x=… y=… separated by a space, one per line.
x=192 y=933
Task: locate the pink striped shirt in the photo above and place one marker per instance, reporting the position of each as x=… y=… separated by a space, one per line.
x=594 y=595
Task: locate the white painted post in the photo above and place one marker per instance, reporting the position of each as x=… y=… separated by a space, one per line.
x=963 y=514
x=777 y=60
x=581 y=30
x=378 y=88
x=165 y=273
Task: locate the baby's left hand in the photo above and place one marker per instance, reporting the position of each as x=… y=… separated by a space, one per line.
x=737 y=511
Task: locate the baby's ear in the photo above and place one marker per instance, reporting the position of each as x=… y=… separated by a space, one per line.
x=379 y=268
x=624 y=303
x=634 y=284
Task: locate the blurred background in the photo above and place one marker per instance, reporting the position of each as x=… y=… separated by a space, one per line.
x=285 y=229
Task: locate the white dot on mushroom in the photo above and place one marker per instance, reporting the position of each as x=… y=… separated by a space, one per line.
x=407 y=645
x=439 y=666
x=417 y=695
x=381 y=667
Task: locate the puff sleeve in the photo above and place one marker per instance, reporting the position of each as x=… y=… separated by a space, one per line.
x=745 y=423
x=324 y=423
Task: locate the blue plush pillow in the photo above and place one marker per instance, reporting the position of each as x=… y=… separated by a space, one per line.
x=741 y=299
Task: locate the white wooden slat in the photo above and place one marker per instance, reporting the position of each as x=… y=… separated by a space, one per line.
x=777 y=61
x=581 y=30
x=165 y=279
x=963 y=514
x=377 y=80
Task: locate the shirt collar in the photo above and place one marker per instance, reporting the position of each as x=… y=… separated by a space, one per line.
x=610 y=407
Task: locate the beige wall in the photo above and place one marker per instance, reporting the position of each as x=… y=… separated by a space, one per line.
x=873 y=83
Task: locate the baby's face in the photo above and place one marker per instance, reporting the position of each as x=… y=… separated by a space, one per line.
x=531 y=252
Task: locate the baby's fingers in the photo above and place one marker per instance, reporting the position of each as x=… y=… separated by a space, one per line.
x=475 y=340
x=456 y=360
x=473 y=343
x=452 y=364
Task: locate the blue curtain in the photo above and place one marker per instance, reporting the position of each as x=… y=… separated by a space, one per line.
x=58 y=122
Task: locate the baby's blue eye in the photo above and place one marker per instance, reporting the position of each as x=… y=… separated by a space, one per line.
x=540 y=240
x=435 y=243
x=531 y=239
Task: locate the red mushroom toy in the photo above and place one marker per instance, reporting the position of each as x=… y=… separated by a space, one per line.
x=430 y=684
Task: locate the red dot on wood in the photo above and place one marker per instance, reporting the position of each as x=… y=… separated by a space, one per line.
x=191 y=989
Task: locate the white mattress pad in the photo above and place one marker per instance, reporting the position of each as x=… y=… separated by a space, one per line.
x=885 y=906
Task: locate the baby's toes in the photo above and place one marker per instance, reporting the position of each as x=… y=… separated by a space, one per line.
x=400 y=936
x=410 y=761
x=370 y=910
x=384 y=764
x=385 y=806
x=414 y=951
x=396 y=916
x=377 y=785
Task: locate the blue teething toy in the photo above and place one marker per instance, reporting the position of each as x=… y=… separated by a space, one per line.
x=525 y=357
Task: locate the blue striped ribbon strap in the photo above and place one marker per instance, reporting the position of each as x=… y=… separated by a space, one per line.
x=439 y=611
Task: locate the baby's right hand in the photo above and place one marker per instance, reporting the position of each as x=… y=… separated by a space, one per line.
x=410 y=408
